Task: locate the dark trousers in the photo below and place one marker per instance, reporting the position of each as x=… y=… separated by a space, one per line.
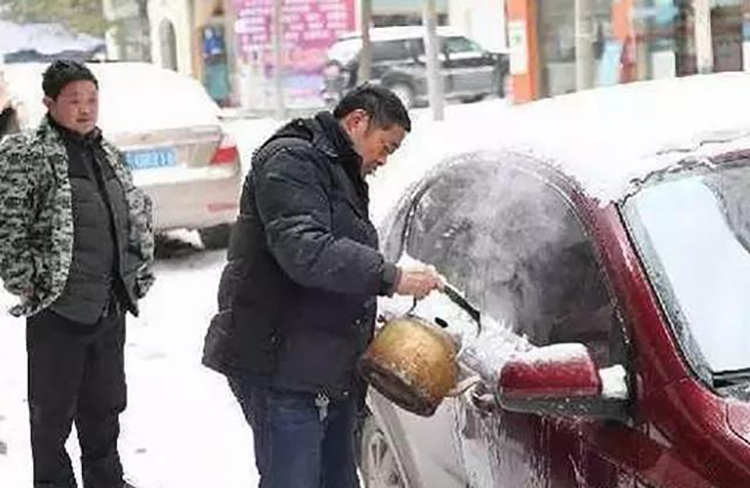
x=294 y=448
x=76 y=374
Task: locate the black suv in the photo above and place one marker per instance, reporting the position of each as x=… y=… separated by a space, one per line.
x=398 y=62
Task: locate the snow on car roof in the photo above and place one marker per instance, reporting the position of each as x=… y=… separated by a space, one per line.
x=134 y=97
x=610 y=138
x=607 y=139
x=400 y=32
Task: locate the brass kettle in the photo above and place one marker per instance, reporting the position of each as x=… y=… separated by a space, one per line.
x=412 y=362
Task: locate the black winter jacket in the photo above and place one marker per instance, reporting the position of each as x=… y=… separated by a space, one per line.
x=297 y=298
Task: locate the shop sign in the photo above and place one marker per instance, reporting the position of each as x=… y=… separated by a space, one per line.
x=309 y=27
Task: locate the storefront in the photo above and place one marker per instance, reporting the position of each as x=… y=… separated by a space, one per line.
x=560 y=46
x=308 y=28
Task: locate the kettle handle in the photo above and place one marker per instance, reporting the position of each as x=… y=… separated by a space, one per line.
x=463 y=385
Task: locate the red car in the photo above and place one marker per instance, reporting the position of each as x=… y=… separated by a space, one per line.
x=610 y=232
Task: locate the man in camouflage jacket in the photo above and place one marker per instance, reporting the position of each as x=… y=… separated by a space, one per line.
x=36 y=219
x=76 y=247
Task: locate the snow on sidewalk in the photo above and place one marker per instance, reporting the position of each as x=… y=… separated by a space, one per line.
x=182 y=428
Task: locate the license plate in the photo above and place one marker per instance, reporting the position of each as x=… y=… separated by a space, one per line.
x=152 y=158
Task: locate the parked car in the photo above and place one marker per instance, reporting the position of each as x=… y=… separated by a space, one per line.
x=469 y=71
x=169 y=130
x=610 y=229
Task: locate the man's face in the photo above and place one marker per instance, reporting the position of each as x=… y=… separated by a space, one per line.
x=76 y=107
x=372 y=143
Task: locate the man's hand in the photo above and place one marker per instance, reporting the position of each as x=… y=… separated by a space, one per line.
x=418 y=282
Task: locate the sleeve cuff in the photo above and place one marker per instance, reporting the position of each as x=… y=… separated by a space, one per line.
x=389 y=279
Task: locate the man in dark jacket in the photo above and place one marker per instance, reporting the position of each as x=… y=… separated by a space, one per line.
x=297 y=299
x=75 y=247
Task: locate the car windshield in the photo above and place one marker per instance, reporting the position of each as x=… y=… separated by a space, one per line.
x=693 y=234
x=345 y=51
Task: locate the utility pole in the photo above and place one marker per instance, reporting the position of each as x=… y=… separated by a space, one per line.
x=365 y=61
x=704 y=53
x=584 y=29
x=434 y=79
x=278 y=60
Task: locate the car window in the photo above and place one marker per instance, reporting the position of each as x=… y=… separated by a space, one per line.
x=460 y=44
x=391 y=50
x=512 y=242
x=693 y=233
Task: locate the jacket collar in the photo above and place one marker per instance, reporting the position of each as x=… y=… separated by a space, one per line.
x=339 y=145
x=92 y=138
x=331 y=138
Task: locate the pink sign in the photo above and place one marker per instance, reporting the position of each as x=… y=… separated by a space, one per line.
x=309 y=27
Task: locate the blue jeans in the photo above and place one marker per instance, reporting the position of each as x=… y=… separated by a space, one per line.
x=307 y=452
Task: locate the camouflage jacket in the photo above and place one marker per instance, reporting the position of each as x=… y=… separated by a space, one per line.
x=36 y=218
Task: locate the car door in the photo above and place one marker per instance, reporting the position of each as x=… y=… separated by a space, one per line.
x=471 y=69
x=431 y=443
x=390 y=56
x=511 y=241
x=418 y=47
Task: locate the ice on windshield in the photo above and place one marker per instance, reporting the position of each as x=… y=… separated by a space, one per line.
x=695 y=245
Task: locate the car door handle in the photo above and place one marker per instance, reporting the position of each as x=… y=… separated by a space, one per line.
x=482 y=399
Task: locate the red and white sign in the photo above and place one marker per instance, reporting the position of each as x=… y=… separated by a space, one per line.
x=309 y=28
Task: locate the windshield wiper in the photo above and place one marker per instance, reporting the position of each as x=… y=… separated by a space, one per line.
x=729 y=378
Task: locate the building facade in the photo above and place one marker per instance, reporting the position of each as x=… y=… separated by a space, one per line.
x=196 y=37
x=560 y=46
x=481 y=20
x=227 y=43
x=128 y=38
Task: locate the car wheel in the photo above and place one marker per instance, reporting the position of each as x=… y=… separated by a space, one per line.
x=380 y=464
x=216 y=237
x=474 y=98
x=404 y=92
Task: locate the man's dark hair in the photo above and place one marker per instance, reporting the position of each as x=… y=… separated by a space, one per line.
x=63 y=71
x=382 y=105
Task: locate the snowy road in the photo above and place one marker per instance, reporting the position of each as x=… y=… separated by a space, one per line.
x=182 y=427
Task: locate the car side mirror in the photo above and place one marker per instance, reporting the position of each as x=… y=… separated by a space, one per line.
x=562 y=379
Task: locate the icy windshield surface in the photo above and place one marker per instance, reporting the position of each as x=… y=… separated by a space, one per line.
x=693 y=233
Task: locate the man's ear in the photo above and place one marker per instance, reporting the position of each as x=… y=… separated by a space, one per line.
x=360 y=117
x=356 y=120
x=48 y=101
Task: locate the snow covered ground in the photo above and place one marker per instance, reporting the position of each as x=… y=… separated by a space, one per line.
x=182 y=427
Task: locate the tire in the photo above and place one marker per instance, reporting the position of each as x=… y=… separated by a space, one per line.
x=404 y=92
x=474 y=98
x=216 y=237
x=380 y=464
